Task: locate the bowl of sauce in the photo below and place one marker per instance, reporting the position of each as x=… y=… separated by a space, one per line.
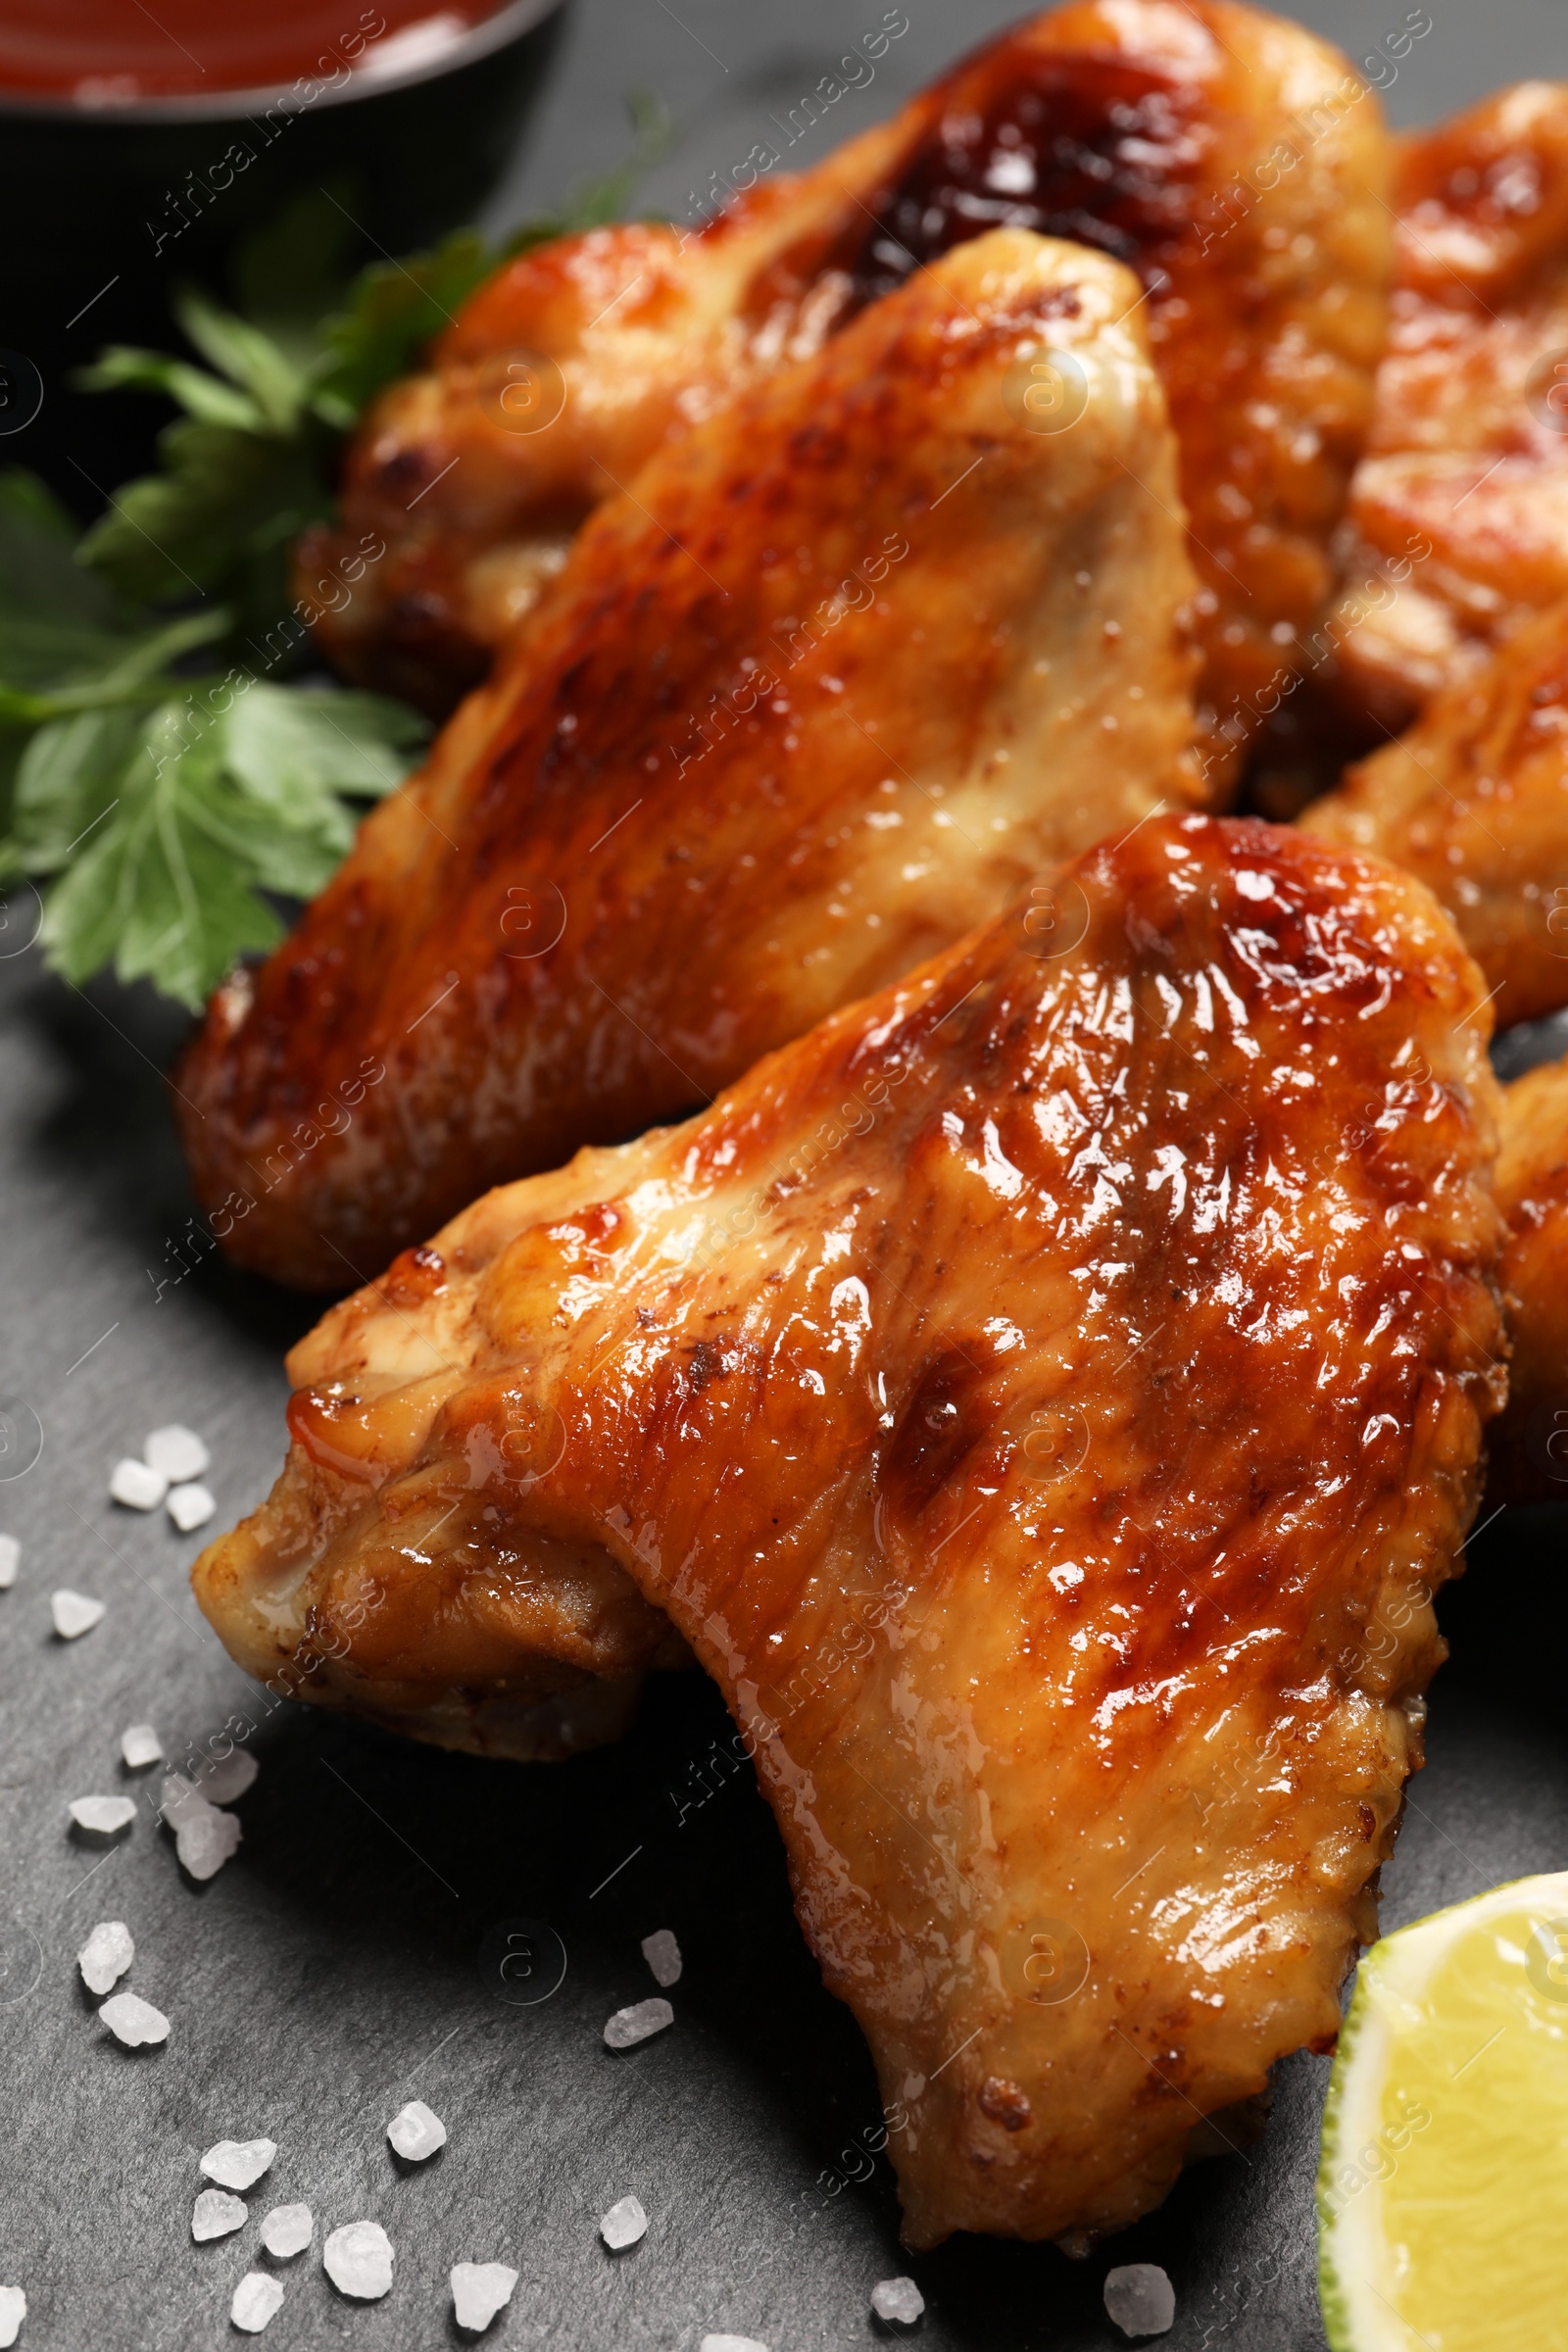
x=144 y=146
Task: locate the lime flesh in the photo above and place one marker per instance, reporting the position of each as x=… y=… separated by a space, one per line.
x=1443 y=2191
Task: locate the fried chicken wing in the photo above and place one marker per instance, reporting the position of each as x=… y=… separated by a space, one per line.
x=1528 y=1446
x=851 y=666
x=1458 y=517
x=1474 y=799
x=1230 y=158
x=1046 y=1398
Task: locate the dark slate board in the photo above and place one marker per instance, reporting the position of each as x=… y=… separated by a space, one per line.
x=345 y=1961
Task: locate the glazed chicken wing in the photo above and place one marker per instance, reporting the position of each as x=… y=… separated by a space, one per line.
x=1458 y=518
x=1528 y=1446
x=1044 y=1399
x=1230 y=158
x=846 y=670
x=1474 y=799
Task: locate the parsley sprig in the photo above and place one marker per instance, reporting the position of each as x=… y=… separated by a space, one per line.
x=158 y=807
x=157 y=778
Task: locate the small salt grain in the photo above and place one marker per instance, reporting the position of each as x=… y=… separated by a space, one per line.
x=10 y=1562
x=13 y=2311
x=137 y=1487
x=190 y=1507
x=223 y=1779
x=898 y=2300
x=215 y=2213
x=73 y=1613
x=133 y=2021
x=415 y=2133
x=257 y=2300
x=177 y=1451
x=479 y=2290
x=1141 y=2299
x=140 y=1746
x=204 y=1837
x=106 y=1955
x=631 y=2025
x=238 y=2163
x=359 y=2261
x=662 y=1955
x=287 y=2229
x=731 y=2343
x=624 y=2225
x=103 y=1815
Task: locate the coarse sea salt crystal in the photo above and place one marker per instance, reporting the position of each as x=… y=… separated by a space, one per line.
x=177 y=1451
x=140 y=1746
x=662 y=1955
x=13 y=2311
x=133 y=2021
x=223 y=1779
x=204 y=1837
x=624 y=2225
x=415 y=2133
x=359 y=2260
x=898 y=2300
x=287 y=2229
x=257 y=2300
x=137 y=1487
x=1141 y=2299
x=238 y=2163
x=10 y=1562
x=73 y=1613
x=215 y=2213
x=479 y=2290
x=106 y=1955
x=103 y=1815
x=190 y=1507
x=631 y=2025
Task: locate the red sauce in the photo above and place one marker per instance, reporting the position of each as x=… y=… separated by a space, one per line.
x=112 y=52
x=1072 y=145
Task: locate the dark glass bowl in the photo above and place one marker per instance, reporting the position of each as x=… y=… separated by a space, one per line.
x=113 y=206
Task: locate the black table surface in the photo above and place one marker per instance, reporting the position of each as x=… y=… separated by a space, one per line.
x=338 y=1966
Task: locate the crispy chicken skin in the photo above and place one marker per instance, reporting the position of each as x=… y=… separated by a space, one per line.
x=1046 y=1398
x=1474 y=799
x=1230 y=158
x=1529 y=1448
x=1458 y=519
x=854 y=664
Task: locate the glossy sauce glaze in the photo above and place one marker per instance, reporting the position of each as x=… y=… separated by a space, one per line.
x=1457 y=528
x=1046 y=1398
x=111 y=53
x=1094 y=147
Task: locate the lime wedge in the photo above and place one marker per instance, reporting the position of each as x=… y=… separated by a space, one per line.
x=1443 y=2191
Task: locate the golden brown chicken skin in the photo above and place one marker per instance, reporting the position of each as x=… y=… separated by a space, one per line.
x=1458 y=518
x=1474 y=799
x=1231 y=159
x=850 y=667
x=1046 y=1398
x=1528 y=1446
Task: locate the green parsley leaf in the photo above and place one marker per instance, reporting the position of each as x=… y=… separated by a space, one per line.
x=160 y=809
x=189 y=813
